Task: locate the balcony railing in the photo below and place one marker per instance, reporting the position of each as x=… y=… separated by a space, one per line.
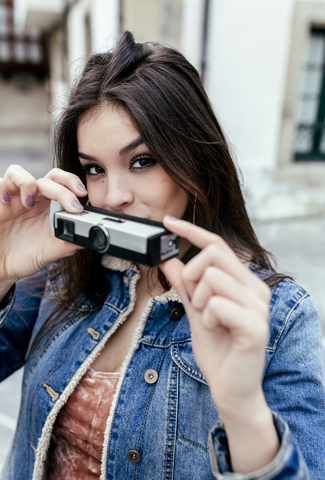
x=21 y=50
x=41 y=14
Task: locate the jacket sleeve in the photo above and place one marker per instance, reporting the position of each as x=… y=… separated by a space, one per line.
x=294 y=382
x=18 y=314
x=294 y=390
x=288 y=463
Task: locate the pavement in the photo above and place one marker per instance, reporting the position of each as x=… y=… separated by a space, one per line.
x=299 y=248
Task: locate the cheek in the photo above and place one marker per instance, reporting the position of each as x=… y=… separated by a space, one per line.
x=96 y=191
x=180 y=203
x=166 y=195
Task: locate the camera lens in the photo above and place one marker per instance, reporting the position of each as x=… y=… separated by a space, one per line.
x=99 y=237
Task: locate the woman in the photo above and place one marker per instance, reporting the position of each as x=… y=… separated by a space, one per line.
x=126 y=377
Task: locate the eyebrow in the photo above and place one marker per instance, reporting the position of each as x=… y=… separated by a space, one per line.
x=124 y=151
x=132 y=146
x=86 y=157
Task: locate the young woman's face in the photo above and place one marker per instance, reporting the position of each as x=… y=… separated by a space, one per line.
x=121 y=174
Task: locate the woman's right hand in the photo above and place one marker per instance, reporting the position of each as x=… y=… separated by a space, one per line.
x=27 y=242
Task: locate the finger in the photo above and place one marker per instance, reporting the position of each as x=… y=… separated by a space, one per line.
x=248 y=330
x=216 y=282
x=231 y=266
x=222 y=312
x=201 y=238
x=172 y=269
x=20 y=182
x=68 y=180
x=68 y=249
x=226 y=260
x=215 y=252
x=60 y=249
x=54 y=191
x=4 y=195
x=198 y=236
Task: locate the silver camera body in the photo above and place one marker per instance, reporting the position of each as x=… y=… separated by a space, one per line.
x=119 y=235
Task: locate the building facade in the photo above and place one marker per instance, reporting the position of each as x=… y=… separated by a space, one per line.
x=23 y=74
x=266 y=81
x=263 y=65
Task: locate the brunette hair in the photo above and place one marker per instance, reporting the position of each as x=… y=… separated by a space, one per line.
x=166 y=101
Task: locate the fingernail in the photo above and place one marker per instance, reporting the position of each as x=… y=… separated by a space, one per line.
x=173 y=219
x=189 y=298
x=76 y=204
x=81 y=188
x=6 y=197
x=30 y=201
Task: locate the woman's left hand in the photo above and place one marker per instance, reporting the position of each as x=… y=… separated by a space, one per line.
x=227 y=307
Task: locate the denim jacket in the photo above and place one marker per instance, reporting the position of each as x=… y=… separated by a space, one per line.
x=163 y=422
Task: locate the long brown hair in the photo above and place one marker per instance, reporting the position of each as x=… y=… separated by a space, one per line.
x=166 y=101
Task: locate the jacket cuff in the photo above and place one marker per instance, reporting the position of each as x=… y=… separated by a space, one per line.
x=7 y=303
x=288 y=463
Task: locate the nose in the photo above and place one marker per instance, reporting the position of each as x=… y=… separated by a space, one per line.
x=118 y=194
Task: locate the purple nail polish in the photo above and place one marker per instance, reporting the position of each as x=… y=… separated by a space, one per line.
x=30 y=201
x=76 y=204
x=173 y=219
x=81 y=188
x=6 y=197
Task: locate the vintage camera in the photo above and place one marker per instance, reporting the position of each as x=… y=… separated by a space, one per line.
x=124 y=236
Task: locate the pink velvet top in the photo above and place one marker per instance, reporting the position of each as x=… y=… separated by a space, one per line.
x=78 y=433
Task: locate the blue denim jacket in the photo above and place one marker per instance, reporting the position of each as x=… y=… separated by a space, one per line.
x=164 y=426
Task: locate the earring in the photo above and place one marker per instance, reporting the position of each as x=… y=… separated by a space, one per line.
x=194 y=208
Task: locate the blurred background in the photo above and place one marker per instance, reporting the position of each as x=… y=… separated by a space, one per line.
x=263 y=66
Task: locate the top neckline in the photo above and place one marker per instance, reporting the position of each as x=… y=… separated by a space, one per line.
x=96 y=373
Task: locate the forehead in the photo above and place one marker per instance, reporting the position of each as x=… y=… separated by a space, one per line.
x=107 y=121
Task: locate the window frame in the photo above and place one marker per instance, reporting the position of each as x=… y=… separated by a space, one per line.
x=317 y=128
x=27 y=40
x=305 y=15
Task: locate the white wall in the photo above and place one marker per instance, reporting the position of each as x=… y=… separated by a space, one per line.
x=105 y=24
x=37 y=13
x=23 y=119
x=192 y=31
x=77 y=36
x=247 y=64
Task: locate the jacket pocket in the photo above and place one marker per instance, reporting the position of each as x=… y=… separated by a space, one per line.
x=183 y=356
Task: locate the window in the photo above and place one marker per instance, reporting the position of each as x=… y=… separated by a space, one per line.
x=171 y=19
x=153 y=20
x=310 y=132
x=21 y=50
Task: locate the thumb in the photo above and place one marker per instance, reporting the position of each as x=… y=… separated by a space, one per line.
x=172 y=269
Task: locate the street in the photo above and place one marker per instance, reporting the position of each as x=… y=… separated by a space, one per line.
x=299 y=247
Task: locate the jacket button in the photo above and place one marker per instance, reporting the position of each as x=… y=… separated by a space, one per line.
x=151 y=376
x=176 y=314
x=133 y=456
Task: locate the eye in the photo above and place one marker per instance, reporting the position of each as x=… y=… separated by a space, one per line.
x=93 y=170
x=142 y=162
